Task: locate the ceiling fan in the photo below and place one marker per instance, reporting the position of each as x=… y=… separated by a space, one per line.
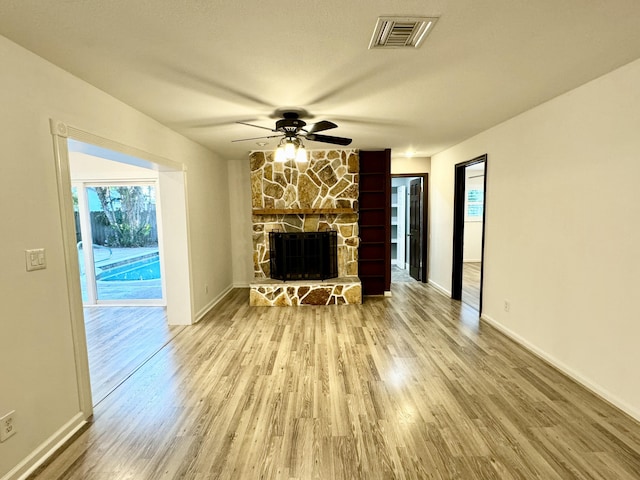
x=292 y=128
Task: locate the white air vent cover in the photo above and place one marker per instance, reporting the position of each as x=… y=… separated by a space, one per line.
x=401 y=32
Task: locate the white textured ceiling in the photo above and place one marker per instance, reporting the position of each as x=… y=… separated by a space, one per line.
x=199 y=66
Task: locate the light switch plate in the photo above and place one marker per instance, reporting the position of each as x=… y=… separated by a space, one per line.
x=36 y=259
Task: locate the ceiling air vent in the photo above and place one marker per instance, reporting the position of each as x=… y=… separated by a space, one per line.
x=401 y=32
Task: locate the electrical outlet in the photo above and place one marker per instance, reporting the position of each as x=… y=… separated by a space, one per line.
x=507 y=305
x=7 y=425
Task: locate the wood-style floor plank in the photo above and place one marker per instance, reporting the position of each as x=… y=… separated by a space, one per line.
x=471 y=284
x=407 y=387
x=119 y=340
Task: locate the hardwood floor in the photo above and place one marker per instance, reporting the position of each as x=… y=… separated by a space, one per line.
x=119 y=340
x=406 y=387
x=471 y=284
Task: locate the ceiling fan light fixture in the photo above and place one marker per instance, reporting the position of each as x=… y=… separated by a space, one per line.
x=280 y=156
x=301 y=154
x=291 y=148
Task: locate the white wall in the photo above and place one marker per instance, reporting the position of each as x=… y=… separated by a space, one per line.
x=37 y=370
x=561 y=235
x=402 y=165
x=241 y=225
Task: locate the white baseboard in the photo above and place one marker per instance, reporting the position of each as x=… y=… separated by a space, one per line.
x=440 y=288
x=204 y=310
x=241 y=285
x=471 y=261
x=46 y=449
x=568 y=371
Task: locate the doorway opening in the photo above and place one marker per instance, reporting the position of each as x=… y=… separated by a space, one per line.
x=468 y=231
x=120 y=252
x=409 y=221
x=172 y=189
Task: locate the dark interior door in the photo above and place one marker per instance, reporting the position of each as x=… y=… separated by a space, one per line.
x=458 y=228
x=415 y=228
x=374 y=222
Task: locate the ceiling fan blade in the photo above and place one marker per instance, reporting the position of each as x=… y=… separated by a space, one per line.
x=255 y=138
x=314 y=137
x=208 y=86
x=257 y=126
x=321 y=126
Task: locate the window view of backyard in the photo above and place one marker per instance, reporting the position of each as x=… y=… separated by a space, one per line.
x=117 y=242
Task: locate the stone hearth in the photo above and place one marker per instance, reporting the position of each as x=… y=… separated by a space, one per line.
x=336 y=291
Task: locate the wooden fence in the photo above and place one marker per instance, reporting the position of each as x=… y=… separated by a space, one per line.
x=102 y=232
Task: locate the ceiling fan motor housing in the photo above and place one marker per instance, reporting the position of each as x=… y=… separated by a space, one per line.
x=290 y=125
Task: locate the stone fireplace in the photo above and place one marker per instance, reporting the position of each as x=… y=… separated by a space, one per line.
x=319 y=195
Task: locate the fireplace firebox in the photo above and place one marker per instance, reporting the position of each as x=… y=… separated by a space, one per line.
x=303 y=255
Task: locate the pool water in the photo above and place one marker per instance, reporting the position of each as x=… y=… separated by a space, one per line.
x=145 y=269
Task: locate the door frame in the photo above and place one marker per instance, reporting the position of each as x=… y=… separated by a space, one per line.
x=172 y=184
x=425 y=220
x=458 y=227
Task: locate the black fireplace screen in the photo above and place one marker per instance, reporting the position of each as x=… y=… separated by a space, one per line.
x=303 y=256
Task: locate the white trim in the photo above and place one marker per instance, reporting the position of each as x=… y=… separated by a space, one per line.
x=241 y=285
x=46 y=449
x=187 y=235
x=440 y=288
x=204 y=310
x=72 y=269
x=110 y=182
x=562 y=367
x=467 y=260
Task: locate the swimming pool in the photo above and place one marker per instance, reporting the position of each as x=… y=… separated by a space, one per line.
x=143 y=269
